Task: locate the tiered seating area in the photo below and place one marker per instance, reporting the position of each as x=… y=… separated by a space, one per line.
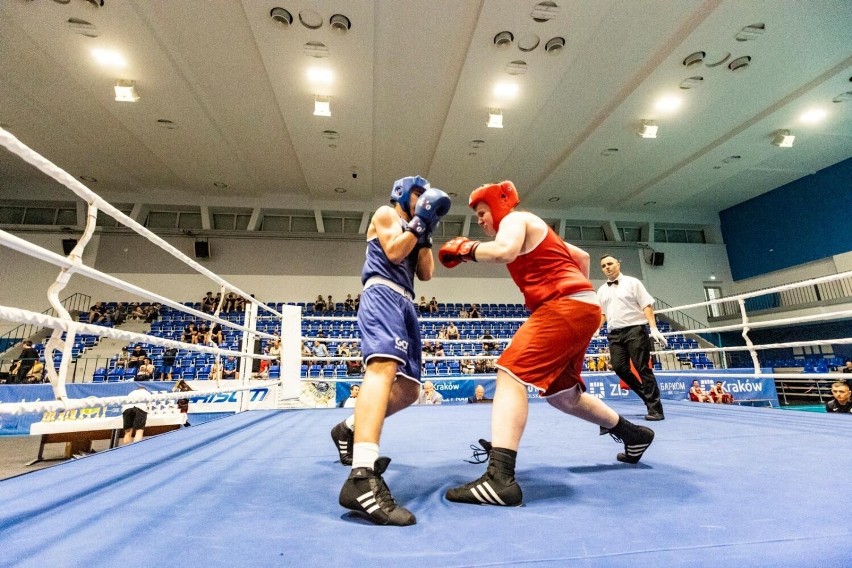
x=339 y=331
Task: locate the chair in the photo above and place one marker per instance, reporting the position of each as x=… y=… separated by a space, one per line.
x=100 y=375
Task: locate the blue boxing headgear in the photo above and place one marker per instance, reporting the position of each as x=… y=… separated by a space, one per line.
x=401 y=192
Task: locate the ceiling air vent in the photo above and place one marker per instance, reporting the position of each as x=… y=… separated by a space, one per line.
x=692 y=82
x=83 y=27
x=476 y=143
x=340 y=24
x=843 y=97
x=503 y=40
x=740 y=63
x=316 y=49
x=693 y=59
x=544 y=11
x=750 y=32
x=281 y=16
x=516 y=67
x=555 y=45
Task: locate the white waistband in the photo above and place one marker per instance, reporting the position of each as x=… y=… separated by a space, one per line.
x=373 y=280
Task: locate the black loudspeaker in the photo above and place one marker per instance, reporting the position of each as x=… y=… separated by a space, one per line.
x=68 y=245
x=657 y=258
x=202 y=249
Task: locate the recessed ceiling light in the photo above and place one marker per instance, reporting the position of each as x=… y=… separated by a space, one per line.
x=220 y=185
x=340 y=24
x=108 y=57
x=89 y=179
x=555 y=46
x=668 y=104
x=553 y=199
x=339 y=190
x=693 y=58
x=125 y=91
x=281 y=16
x=813 y=115
x=739 y=63
x=503 y=40
x=320 y=75
x=506 y=90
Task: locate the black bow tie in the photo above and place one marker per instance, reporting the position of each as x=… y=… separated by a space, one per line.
x=611 y=282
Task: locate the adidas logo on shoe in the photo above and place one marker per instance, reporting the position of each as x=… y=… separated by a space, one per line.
x=344 y=439
x=487 y=490
x=366 y=493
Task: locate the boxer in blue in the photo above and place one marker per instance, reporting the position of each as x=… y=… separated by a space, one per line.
x=399 y=246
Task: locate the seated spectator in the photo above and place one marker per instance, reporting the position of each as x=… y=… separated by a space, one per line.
x=439 y=350
x=97 y=313
x=217 y=301
x=429 y=395
x=602 y=364
x=424 y=305
x=306 y=351
x=344 y=350
x=229 y=368
x=137 y=357
x=203 y=331
x=840 y=390
x=145 y=371
x=320 y=349
x=119 y=315
x=474 y=312
x=330 y=306
x=357 y=301
x=433 y=306
x=467 y=366
x=720 y=395
x=353 y=397
x=208 y=303
x=488 y=346
x=463 y=313
x=697 y=394
x=480 y=366
x=349 y=303
x=137 y=311
x=479 y=396
x=152 y=312
x=847 y=368
x=36 y=373
x=216 y=336
x=123 y=358
x=190 y=328
x=275 y=349
x=452 y=331
x=230 y=302
x=442 y=332
x=239 y=304
x=353 y=367
x=428 y=349
x=216 y=371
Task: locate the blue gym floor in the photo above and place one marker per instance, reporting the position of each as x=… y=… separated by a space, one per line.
x=720 y=486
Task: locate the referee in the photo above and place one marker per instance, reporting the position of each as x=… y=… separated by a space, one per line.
x=627 y=306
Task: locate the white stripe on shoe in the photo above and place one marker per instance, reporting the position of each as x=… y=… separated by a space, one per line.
x=636 y=450
x=484 y=493
x=368 y=502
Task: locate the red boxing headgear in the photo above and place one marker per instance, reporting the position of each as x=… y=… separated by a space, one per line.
x=500 y=198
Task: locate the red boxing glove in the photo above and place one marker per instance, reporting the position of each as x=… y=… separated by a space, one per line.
x=457 y=250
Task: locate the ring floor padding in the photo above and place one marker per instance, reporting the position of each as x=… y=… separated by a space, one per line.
x=720 y=486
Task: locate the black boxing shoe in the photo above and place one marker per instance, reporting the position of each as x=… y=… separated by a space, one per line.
x=490 y=489
x=636 y=440
x=366 y=493
x=344 y=439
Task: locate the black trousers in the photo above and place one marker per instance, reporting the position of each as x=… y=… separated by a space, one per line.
x=630 y=355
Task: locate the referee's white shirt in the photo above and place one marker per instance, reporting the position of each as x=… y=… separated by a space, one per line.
x=622 y=303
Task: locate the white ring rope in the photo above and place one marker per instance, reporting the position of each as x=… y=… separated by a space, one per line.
x=47 y=167
x=35 y=251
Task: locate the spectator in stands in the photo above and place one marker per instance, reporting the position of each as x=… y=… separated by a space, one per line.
x=239 y=304
x=479 y=396
x=36 y=374
x=217 y=300
x=427 y=349
x=119 y=315
x=353 y=397
x=720 y=395
x=344 y=350
x=216 y=335
x=203 y=332
x=137 y=311
x=840 y=390
x=474 y=312
x=463 y=313
x=145 y=372
x=97 y=313
x=135 y=415
x=320 y=349
x=847 y=368
x=169 y=356
x=433 y=306
x=424 y=305
x=26 y=361
x=306 y=351
x=627 y=307
x=215 y=371
x=275 y=349
x=480 y=366
x=137 y=357
x=208 y=303
x=349 y=303
x=330 y=306
x=442 y=332
x=466 y=365
x=602 y=364
x=152 y=312
x=229 y=368
x=357 y=302
x=697 y=393
x=488 y=346
x=428 y=395
x=353 y=367
x=452 y=331
x=439 y=350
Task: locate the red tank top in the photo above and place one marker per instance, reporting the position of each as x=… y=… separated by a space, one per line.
x=548 y=272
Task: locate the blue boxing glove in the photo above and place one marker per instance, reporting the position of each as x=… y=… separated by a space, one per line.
x=428 y=211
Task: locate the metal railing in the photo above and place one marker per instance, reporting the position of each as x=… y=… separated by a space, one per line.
x=74 y=303
x=821 y=293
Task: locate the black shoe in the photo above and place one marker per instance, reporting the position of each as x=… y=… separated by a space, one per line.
x=655 y=416
x=344 y=439
x=636 y=440
x=488 y=490
x=365 y=492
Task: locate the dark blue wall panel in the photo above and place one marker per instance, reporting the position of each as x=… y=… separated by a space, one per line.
x=806 y=220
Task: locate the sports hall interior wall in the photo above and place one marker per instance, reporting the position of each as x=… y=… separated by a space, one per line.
x=299 y=270
x=803 y=221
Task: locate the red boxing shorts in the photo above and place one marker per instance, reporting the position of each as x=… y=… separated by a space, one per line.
x=547 y=351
